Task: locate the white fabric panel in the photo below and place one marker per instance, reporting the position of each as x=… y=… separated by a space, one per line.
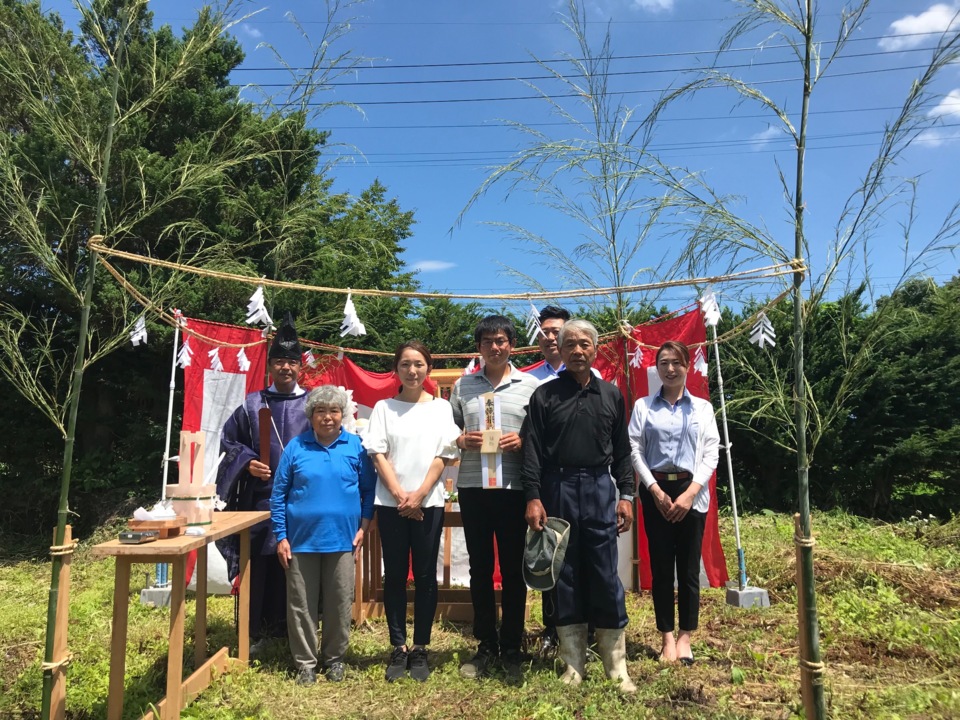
x=223 y=392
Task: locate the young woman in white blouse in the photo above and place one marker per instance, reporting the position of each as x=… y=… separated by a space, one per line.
x=674 y=447
x=410 y=439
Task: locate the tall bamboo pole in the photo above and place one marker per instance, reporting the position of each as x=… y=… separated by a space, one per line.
x=73 y=397
x=808 y=624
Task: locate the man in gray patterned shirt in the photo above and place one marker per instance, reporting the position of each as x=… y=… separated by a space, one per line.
x=492 y=503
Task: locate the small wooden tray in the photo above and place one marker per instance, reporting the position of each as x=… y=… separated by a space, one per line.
x=167 y=528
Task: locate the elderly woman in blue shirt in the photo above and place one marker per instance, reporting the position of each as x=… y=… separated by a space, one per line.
x=321 y=505
x=674 y=447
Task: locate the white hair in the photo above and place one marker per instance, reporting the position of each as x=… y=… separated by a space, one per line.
x=326 y=395
x=580 y=327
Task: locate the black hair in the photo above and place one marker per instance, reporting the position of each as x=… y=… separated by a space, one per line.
x=679 y=348
x=551 y=312
x=494 y=324
x=412 y=345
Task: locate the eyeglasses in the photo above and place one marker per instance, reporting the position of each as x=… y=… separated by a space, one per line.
x=494 y=342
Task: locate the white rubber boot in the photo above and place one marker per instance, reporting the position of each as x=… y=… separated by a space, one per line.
x=573 y=651
x=612 y=647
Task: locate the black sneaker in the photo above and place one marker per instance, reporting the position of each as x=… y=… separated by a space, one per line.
x=397 y=667
x=307 y=676
x=335 y=671
x=512 y=661
x=419 y=669
x=477 y=666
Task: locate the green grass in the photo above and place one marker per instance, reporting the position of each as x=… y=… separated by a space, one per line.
x=889 y=608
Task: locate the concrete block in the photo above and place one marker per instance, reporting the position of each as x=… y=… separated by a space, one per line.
x=748 y=597
x=155 y=597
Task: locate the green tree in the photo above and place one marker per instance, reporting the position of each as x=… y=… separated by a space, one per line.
x=903 y=434
x=137 y=131
x=445 y=326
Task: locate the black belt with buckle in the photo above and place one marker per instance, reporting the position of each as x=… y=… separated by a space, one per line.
x=672 y=476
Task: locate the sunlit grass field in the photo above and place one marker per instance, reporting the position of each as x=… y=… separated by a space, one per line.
x=889 y=600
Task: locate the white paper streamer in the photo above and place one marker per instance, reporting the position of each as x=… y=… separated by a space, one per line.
x=215 y=364
x=763 y=332
x=351 y=324
x=242 y=361
x=700 y=362
x=185 y=356
x=636 y=359
x=139 y=333
x=350 y=413
x=310 y=359
x=710 y=307
x=256 y=310
x=533 y=325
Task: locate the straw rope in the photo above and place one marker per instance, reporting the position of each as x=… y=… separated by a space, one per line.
x=814 y=668
x=777 y=270
x=57 y=664
x=67 y=549
x=770 y=271
x=624 y=332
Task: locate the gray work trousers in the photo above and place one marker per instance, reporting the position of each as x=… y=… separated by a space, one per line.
x=310 y=577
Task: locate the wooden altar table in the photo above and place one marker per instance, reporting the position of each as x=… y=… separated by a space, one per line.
x=174 y=550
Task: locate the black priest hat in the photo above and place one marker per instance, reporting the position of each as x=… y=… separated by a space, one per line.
x=285 y=343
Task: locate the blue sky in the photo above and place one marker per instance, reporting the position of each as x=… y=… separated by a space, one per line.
x=443 y=78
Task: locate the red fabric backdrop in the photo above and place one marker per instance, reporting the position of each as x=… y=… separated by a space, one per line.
x=688 y=329
x=369 y=387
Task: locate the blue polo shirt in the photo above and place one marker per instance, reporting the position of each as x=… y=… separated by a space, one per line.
x=320 y=493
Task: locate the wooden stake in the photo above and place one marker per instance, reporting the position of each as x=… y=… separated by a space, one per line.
x=806 y=678
x=58 y=697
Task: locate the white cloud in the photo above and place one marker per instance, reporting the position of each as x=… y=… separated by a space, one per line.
x=949 y=107
x=654 y=5
x=933 y=138
x=937 y=18
x=947 y=110
x=251 y=31
x=433 y=266
x=759 y=140
x=608 y=8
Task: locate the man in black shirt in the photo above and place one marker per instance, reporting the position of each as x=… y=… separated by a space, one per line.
x=574 y=440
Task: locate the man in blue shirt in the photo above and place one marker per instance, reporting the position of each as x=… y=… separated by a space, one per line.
x=552 y=319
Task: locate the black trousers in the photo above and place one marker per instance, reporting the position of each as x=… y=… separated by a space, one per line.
x=588 y=588
x=674 y=546
x=268 y=597
x=489 y=514
x=403 y=539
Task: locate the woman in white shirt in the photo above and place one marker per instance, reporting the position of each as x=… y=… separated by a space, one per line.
x=410 y=439
x=674 y=447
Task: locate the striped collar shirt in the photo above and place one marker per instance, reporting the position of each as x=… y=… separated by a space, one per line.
x=514 y=392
